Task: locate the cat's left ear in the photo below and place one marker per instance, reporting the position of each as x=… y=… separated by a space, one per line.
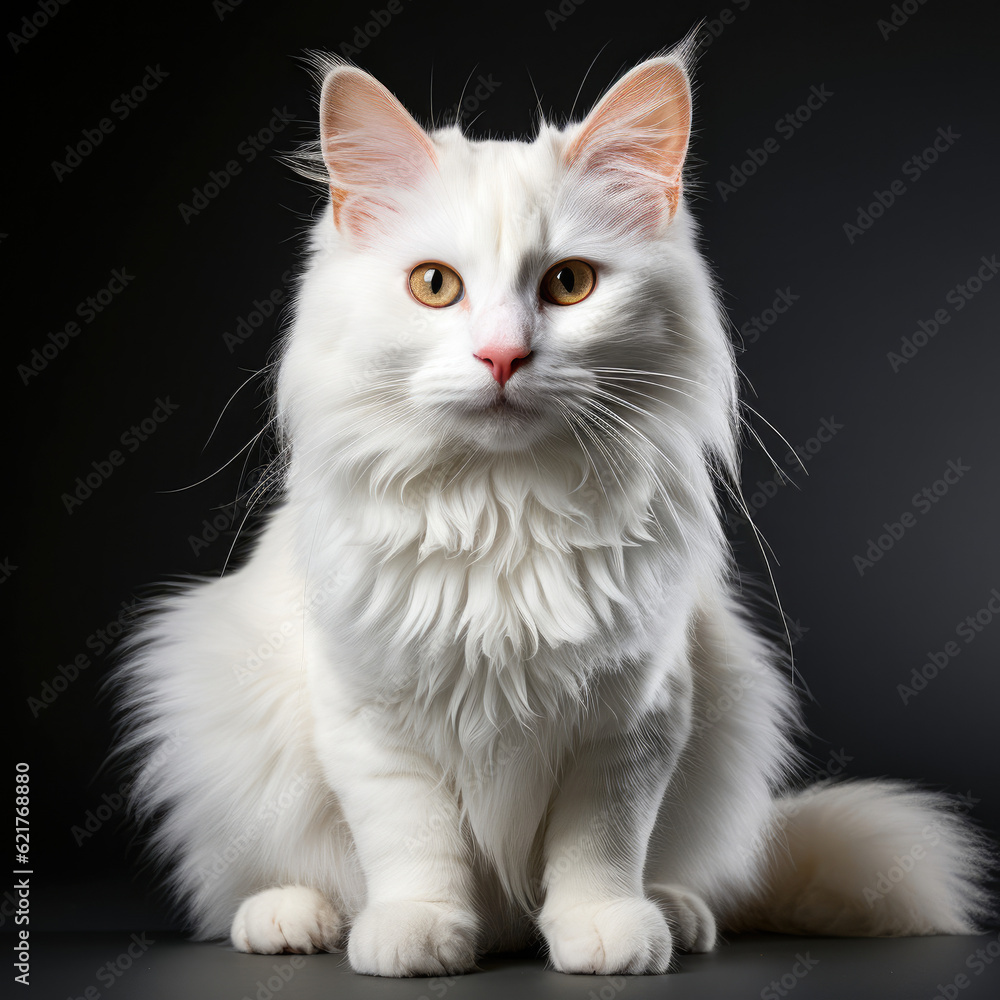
x=639 y=132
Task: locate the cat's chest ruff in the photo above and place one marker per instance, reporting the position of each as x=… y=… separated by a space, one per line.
x=499 y=571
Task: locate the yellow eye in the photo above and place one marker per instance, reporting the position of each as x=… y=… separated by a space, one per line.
x=568 y=282
x=436 y=284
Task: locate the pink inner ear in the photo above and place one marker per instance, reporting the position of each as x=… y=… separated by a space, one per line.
x=640 y=128
x=370 y=144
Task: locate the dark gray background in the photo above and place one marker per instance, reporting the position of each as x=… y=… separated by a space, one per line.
x=825 y=358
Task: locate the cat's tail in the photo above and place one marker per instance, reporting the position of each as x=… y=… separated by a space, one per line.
x=870 y=859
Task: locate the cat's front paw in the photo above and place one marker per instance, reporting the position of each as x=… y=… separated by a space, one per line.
x=688 y=915
x=412 y=938
x=294 y=918
x=608 y=937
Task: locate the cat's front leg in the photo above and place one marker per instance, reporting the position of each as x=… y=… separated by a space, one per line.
x=596 y=917
x=418 y=918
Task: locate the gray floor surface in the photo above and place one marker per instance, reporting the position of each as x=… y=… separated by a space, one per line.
x=166 y=966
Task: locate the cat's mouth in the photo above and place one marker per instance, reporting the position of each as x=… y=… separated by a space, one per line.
x=503 y=405
x=502 y=418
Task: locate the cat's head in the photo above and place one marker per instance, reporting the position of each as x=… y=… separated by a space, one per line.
x=469 y=299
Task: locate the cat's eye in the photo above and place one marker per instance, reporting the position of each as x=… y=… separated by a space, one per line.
x=436 y=284
x=568 y=282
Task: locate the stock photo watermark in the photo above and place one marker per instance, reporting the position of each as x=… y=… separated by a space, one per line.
x=246 y=152
x=899 y=14
x=967 y=630
x=781 y=987
x=223 y=7
x=96 y=645
x=922 y=502
x=611 y=989
x=438 y=986
x=913 y=169
x=368 y=31
x=131 y=439
x=752 y=329
x=226 y=520
x=902 y=865
x=562 y=13
x=957 y=298
x=110 y=973
x=121 y=107
x=786 y=126
x=261 y=310
x=273 y=640
x=283 y=974
x=799 y=456
x=470 y=103
x=20 y=905
x=31 y=24
x=734 y=691
x=568 y=858
x=713 y=28
x=221 y=860
x=87 y=310
x=977 y=962
x=110 y=804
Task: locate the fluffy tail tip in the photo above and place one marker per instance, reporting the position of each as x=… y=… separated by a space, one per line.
x=871 y=859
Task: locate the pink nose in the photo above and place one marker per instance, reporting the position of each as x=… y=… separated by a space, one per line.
x=503 y=361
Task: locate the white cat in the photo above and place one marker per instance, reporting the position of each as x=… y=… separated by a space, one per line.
x=484 y=674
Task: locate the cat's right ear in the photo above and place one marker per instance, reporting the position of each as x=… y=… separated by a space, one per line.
x=371 y=147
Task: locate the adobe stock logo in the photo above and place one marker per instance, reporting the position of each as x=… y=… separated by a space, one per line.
x=365 y=33
x=714 y=27
x=88 y=310
x=937 y=661
x=922 y=501
x=899 y=14
x=958 y=298
x=786 y=126
x=248 y=150
x=756 y=325
x=132 y=440
x=121 y=107
x=471 y=102
x=565 y=10
x=913 y=168
x=43 y=13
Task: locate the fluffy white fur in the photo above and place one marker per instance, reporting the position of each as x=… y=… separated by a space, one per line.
x=484 y=674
